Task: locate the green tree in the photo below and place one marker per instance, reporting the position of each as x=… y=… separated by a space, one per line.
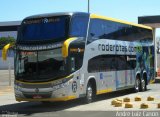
x=6 y=40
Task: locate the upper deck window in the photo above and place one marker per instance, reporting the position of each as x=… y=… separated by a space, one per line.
x=42 y=29
x=79 y=26
x=106 y=29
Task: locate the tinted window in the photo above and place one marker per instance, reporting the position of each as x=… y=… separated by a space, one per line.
x=44 y=29
x=105 y=63
x=104 y=29
x=79 y=26
x=40 y=65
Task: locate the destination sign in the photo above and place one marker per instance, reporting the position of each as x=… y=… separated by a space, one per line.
x=42 y=20
x=38 y=47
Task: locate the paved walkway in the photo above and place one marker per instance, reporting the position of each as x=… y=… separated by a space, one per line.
x=4 y=82
x=6 y=89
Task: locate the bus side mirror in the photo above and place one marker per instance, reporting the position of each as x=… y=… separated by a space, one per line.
x=5 y=51
x=65 y=46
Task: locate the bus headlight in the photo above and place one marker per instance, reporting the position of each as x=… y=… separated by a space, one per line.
x=66 y=83
x=62 y=85
x=17 y=87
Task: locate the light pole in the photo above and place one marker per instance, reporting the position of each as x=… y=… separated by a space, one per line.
x=88 y=6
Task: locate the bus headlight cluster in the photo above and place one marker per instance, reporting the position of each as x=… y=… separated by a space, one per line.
x=17 y=87
x=62 y=85
x=66 y=83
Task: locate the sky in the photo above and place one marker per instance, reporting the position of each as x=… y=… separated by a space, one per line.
x=129 y=10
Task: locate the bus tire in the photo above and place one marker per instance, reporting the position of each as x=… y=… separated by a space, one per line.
x=137 y=86
x=144 y=83
x=89 y=93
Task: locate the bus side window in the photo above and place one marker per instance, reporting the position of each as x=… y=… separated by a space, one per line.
x=95 y=30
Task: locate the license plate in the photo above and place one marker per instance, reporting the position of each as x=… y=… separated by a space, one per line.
x=37 y=97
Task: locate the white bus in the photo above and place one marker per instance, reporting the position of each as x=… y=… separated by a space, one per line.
x=64 y=56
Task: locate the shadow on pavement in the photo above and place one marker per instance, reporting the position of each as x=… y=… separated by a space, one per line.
x=29 y=108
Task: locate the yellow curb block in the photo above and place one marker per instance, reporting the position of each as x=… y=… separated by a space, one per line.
x=126 y=99
x=128 y=105
x=119 y=100
x=137 y=98
x=118 y=104
x=115 y=100
x=150 y=98
x=144 y=106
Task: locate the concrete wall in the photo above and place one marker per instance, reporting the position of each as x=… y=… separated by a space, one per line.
x=9 y=34
x=5 y=64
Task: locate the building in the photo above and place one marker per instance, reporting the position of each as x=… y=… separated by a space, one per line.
x=8 y=29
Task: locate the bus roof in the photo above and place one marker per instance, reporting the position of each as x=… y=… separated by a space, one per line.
x=120 y=21
x=54 y=14
x=91 y=16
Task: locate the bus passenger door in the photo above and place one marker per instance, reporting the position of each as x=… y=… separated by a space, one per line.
x=76 y=60
x=130 y=72
x=130 y=77
x=120 y=79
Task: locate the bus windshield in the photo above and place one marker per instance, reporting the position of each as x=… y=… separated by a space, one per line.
x=54 y=28
x=40 y=65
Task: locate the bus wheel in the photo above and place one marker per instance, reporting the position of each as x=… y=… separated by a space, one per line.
x=89 y=93
x=143 y=85
x=137 y=85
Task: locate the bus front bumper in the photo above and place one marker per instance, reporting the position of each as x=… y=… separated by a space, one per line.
x=30 y=92
x=48 y=99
